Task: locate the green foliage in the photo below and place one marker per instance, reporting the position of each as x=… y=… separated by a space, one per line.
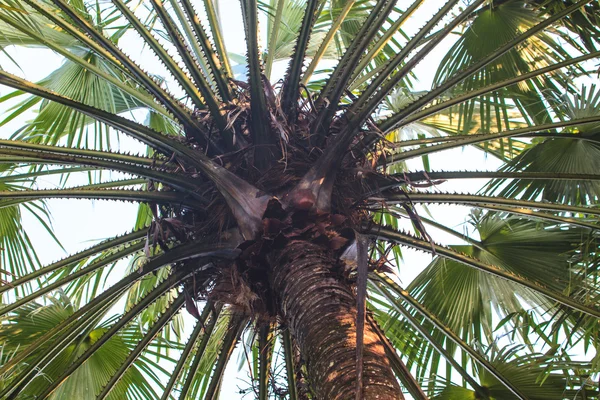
x=559 y=156
x=31 y=321
x=522 y=272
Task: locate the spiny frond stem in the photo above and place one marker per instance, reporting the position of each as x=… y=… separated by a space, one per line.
x=234 y=331
x=431 y=140
x=217 y=36
x=420 y=197
x=82 y=255
x=387 y=80
x=395 y=121
x=124 y=320
x=245 y=201
x=369 y=28
x=16 y=153
x=260 y=121
x=291 y=85
x=88 y=269
x=191 y=343
x=174 y=68
x=384 y=233
x=472 y=139
x=118 y=183
x=327 y=102
x=384 y=40
x=103 y=194
x=382 y=280
x=442 y=227
x=213 y=61
x=324 y=171
x=360 y=80
x=383 y=84
x=93 y=309
x=288 y=352
x=423 y=176
x=528 y=213
x=62 y=156
x=93 y=154
x=133 y=129
x=73 y=31
x=587 y=136
x=27 y=177
x=193 y=250
x=266 y=333
x=143 y=97
x=192 y=66
x=434 y=343
x=327 y=40
x=463 y=74
x=158 y=326
x=20 y=160
x=400 y=369
x=199 y=353
x=110 y=51
x=370 y=104
x=192 y=41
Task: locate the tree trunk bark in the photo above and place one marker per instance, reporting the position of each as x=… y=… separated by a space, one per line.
x=321 y=314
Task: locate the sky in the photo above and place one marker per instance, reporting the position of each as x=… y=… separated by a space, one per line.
x=98 y=220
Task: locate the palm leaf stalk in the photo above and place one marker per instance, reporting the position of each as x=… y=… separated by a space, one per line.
x=273 y=34
x=272 y=204
x=215 y=29
x=190 y=63
x=265 y=348
x=385 y=39
x=174 y=68
x=122 y=322
x=98 y=43
x=291 y=89
x=413 y=321
x=234 y=331
x=167 y=316
x=329 y=97
x=386 y=86
x=213 y=61
x=326 y=41
x=399 y=367
x=193 y=368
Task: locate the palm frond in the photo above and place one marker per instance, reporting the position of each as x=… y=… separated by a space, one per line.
x=476 y=66
x=278 y=207
x=291 y=88
x=263 y=136
x=411 y=241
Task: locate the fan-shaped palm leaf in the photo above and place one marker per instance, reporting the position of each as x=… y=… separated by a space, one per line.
x=258 y=202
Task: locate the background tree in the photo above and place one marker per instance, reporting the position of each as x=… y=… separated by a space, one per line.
x=278 y=207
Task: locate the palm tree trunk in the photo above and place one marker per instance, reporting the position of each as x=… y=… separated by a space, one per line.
x=321 y=314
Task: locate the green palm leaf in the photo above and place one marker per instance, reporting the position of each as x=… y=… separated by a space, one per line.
x=528 y=372
x=32 y=321
x=557 y=156
x=265 y=206
x=501 y=23
x=76 y=80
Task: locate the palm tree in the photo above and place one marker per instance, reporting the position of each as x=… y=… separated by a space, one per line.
x=279 y=207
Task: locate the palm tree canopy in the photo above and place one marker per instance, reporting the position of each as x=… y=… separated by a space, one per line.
x=279 y=184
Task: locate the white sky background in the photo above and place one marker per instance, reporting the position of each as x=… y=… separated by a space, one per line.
x=97 y=220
